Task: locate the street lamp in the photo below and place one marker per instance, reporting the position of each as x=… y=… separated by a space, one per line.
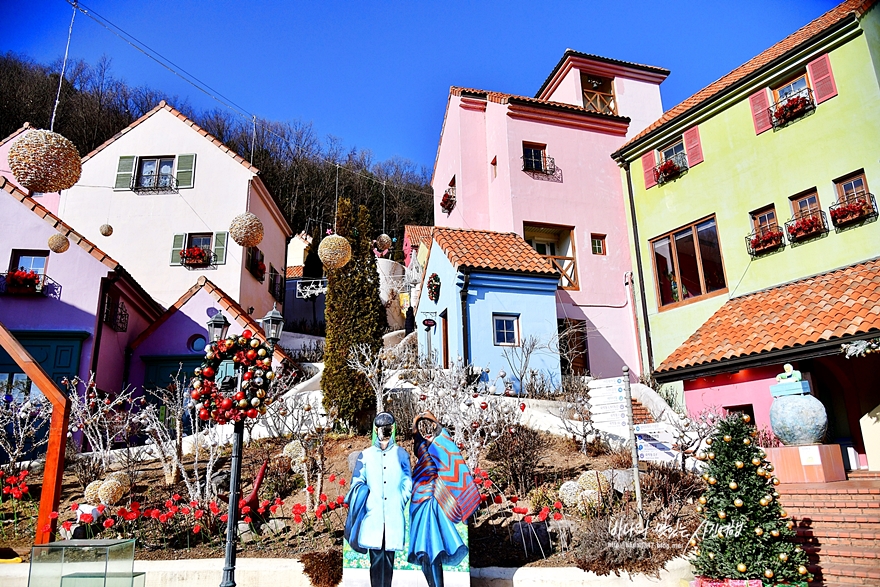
x=218 y=325
x=272 y=324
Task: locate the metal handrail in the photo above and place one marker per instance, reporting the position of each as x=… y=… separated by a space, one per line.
x=44 y=287
x=677 y=162
x=791 y=107
x=545 y=165
x=154 y=182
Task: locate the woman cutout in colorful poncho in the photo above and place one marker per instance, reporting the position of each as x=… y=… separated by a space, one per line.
x=444 y=493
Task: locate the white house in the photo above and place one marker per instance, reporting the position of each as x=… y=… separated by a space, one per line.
x=165 y=185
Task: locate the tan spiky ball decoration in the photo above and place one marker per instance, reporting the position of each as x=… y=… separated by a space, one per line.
x=91 y=492
x=106 y=230
x=58 y=243
x=383 y=243
x=111 y=491
x=334 y=251
x=246 y=229
x=122 y=477
x=44 y=161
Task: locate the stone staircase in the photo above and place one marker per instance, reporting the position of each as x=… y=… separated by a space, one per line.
x=641 y=415
x=838 y=524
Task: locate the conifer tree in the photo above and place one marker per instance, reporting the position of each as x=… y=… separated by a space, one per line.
x=745 y=533
x=352 y=317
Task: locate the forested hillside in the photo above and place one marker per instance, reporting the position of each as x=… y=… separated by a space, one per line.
x=298 y=166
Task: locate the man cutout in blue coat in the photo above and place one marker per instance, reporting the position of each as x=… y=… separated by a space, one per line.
x=381 y=486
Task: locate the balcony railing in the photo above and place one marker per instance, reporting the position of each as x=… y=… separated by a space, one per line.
x=567 y=267
x=671 y=168
x=792 y=107
x=116 y=315
x=276 y=287
x=204 y=261
x=764 y=240
x=154 y=183
x=807 y=225
x=42 y=286
x=599 y=102
x=539 y=165
x=853 y=209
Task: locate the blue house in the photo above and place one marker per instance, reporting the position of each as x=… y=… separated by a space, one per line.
x=484 y=293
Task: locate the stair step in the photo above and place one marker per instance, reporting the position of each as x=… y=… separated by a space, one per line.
x=863 y=474
x=843 y=571
x=833 y=554
x=832 y=536
x=865 y=502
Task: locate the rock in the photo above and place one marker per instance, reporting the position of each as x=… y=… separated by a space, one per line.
x=621 y=479
x=275 y=526
x=533 y=538
x=798 y=419
x=245 y=533
x=220 y=482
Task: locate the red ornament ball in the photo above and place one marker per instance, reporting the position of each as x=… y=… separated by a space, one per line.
x=251 y=355
x=247 y=375
x=239 y=395
x=226 y=404
x=247 y=334
x=204 y=414
x=483 y=405
x=522 y=407
x=208 y=372
x=195 y=394
x=252 y=413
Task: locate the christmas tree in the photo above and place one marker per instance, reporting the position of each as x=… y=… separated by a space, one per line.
x=745 y=533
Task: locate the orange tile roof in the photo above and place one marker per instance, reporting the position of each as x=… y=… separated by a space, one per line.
x=824 y=308
x=502 y=98
x=165 y=106
x=492 y=251
x=226 y=303
x=843 y=11
x=294 y=272
x=417 y=234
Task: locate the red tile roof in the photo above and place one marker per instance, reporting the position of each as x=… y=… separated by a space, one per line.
x=502 y=98
x=417 y=234
x=841 y=12
x=294 y=272
x=823 y=308
x=165 y=106
x=492 y=251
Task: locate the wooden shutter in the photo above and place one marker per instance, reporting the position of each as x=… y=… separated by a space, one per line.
x=760 y=105
x=220 y=239
x=692 y=146
x=648 y=169
x=124 y=172
x=822 y=79
x=177 y=245
x=186 y=166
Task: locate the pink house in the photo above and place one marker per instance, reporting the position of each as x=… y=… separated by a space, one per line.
x=541 y=167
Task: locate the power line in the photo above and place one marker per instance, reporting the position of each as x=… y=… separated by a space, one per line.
x=212 y=93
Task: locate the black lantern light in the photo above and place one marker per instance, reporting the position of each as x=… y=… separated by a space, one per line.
x=272 y=324
x=218 y=325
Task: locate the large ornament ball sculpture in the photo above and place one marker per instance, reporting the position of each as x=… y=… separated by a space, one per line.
x=246 y=229
x=106 y=230
x=254 y=358
x=334 y=251
x=383 y=242
x=58 y=243
x=44 y=161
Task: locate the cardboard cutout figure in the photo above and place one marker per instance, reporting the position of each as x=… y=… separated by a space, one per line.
x=380 y=489
x=444 y=493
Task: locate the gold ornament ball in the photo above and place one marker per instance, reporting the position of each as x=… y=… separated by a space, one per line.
x=759 y=531
x=383 y=242
x=761 y=453
x=692 y=542
x=739 y=464
x=774 y=533
x=727 y=438
x=756 y=461
x=747 y=418
x=708 y=442
x=789 y=524
x=261 y=353
x=761 y=471
x=783 y=557
x=733 y=485
x=334 y=251
x=747 y=441
x=106 y=230
x=783 y=514
x=741 y=568
x=58 y=243
x=254 y=343
x=242 y=403
x=722 y=515
x=712 y=480
x=798 y=549
x=261 y=393
x=754 y=433
x=702 y=500
x=802 y=570
x=270 y=375
x=44 y=161
x=711 y=556
x=699 y=509
x=246 y=229
x=769 y=466
x=738 y=502
x=705 y=476
x=768 y=573
x=774 y=481
x=763 y=501
x=711 y=456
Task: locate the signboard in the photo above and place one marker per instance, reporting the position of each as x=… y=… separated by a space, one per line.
x=607 y=399
x=610 y=382
x=607 y=408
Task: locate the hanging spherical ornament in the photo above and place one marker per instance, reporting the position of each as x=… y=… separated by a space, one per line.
x=747 y=441
x=708 y=442
x=692 y=542
x=722 y=515
x=738 y=502
x=106 y=230
x=58 y=243
x=761 y=471
x=747 y=418
x=383 y=242
x=44 y=161
x=741 y=568
x=699 y=509
x=789 y=524
x=763 y=502
x=756 y=461
x=711 y=556
x=774 y=533
x=246 y=229
x=334 y=251
x=783 y=556
x=702 y=500
x=783 y=514
x=733 y=485
x=705 y=476
x=739 y=464
x=712 y=480
x=759 y=531
x=711 y=456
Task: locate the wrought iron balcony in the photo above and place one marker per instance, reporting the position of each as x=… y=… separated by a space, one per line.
x=805 y=226
x=853 y=210
x=567 y=267
x=672 y=168
x=116 y=315
x=19 y=283
x=545 y=165
x=764 y=240
x=205 y=261
x=156 y=183
x=792 y=107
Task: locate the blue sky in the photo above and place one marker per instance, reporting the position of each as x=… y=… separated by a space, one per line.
x=377 y=74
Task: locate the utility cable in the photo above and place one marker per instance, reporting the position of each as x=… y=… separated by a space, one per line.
x=63 y=67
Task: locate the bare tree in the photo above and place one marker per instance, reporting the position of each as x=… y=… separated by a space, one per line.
x=24 y=415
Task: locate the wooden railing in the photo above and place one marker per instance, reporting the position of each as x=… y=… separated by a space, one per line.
x=567 y=267
x=599 y=102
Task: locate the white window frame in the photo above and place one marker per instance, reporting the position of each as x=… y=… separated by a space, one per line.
x=504 y=317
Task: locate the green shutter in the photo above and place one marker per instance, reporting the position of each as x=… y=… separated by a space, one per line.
x=186 y=166
x=176 y=247
x=124 y=171
x=220 y=247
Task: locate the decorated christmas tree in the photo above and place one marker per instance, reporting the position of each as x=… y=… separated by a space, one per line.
x=745 y=532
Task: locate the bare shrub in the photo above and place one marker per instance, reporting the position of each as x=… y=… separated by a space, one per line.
x=670 y=486
x=518 y=454
x=86 y=468
x=621 y=458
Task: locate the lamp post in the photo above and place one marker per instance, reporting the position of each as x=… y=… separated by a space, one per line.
x=272 y=324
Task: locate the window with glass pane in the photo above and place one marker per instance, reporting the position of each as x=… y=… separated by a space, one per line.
x=764 y=219
x=533 y=157
x=155 y=172
x=688 y=263
x=505 y=330
x=203 y=241
x=791 y=88
x=597 y=241
x=805 y=205
x=544 y=247
x=29 y=260
x=672 y=150
x=852 y=188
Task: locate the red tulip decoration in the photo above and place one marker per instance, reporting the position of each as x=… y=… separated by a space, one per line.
x=250 y=354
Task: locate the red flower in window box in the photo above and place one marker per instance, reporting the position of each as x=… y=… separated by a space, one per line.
x=766 y=239
x=790 y=109
x=194 y=256
x=667 y=171
x=22 y=282
x=805 y=226
x=850 y=211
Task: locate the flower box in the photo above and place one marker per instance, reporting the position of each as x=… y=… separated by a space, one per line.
x=447 y=203
x=24 y=283
x=195 y=256
x=850 y=211
x=803 y=227
x=791 y=108
x=667 y=171
x=765 y=240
